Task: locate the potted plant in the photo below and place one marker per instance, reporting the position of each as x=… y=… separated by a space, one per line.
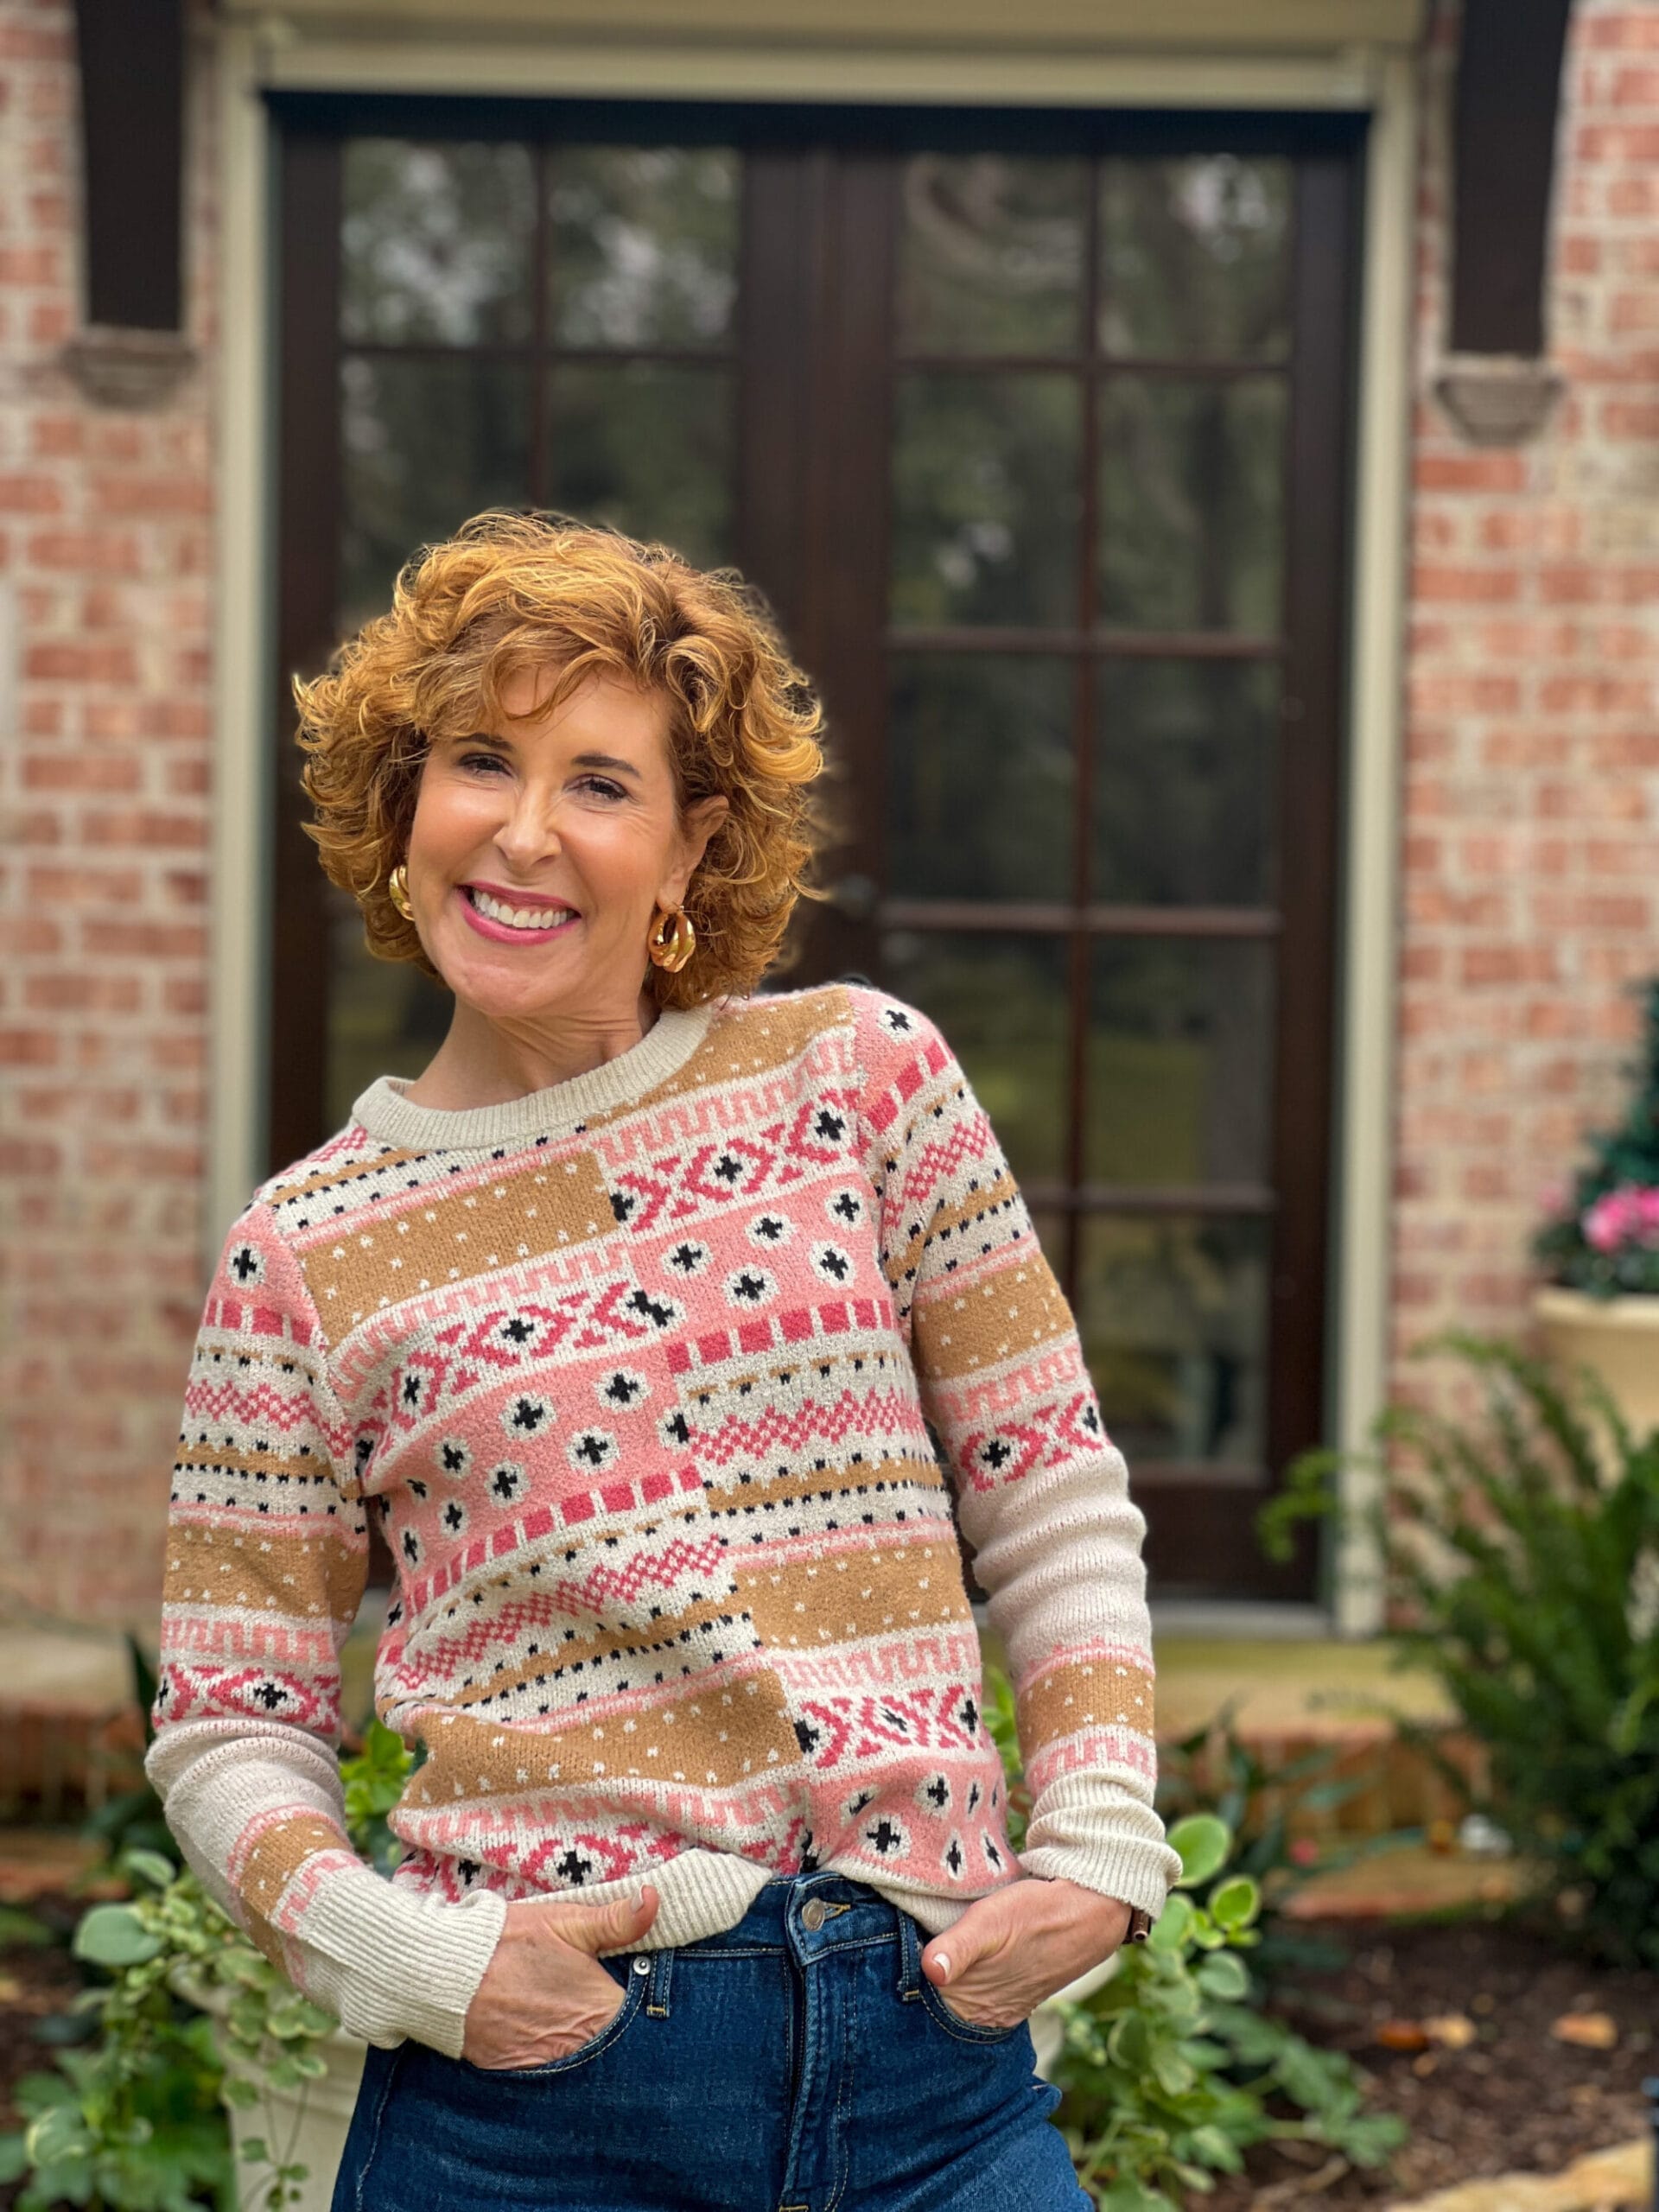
x=191 y=2018
x=1600 y=1308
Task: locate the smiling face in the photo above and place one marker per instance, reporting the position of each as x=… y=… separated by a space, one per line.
x=541 y=849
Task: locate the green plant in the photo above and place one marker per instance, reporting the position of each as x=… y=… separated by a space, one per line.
x=1604 y=1238
x=373 y=1780
x=1170 y=2069
x=1217 y=1770
x=1525 y=1560
x=134 y=2121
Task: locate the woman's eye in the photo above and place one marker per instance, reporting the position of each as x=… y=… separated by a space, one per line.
x=604 y=786
x=481 y=760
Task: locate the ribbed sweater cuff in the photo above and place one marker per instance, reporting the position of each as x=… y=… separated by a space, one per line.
x=1087 y=1831
x=392 y=1964
x=1134 y=1872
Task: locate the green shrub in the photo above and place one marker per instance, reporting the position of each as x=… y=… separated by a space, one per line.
x=1171 y=2069
x=1525 y=1560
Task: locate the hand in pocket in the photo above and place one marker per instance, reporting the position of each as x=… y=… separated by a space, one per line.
x=544 y=1993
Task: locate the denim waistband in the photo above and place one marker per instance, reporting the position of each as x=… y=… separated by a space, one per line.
x=805 y=1918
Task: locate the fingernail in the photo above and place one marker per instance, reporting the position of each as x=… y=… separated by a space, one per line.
x=941 y=1960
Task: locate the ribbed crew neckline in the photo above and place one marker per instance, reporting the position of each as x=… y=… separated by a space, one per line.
x=385 y=1112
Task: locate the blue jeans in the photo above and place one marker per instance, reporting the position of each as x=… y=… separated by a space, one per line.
x=798 y=2062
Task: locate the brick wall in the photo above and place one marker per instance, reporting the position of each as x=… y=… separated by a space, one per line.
x=1531 y=855
x=104 y=749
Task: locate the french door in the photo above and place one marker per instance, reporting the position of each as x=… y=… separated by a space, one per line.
x=1034 y=428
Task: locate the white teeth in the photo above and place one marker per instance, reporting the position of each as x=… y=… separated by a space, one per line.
x=518 y=917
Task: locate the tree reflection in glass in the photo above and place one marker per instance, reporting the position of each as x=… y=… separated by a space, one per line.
x=643 y=242
x=991 y=253
x=435 y=243
x=1195 y=258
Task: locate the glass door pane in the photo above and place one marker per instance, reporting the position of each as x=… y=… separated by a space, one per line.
x=1091 y=427
x=518 y=327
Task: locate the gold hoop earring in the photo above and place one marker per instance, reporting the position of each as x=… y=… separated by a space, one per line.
x=398 y=891
x=671 y=948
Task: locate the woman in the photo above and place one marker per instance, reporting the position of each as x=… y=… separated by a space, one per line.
x=626 y=1319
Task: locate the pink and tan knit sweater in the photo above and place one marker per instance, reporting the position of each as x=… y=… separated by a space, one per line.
x=637 y=1373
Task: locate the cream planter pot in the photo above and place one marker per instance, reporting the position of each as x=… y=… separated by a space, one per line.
x=1616 y=1337
x=305 y=2126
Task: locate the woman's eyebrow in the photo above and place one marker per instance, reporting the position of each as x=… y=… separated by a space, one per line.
x=608 y=760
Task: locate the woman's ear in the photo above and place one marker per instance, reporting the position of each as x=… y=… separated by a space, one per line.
x=697 y=825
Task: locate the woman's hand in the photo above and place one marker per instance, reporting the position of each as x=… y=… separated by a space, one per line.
x=544 y=1993
x=1011 y=1949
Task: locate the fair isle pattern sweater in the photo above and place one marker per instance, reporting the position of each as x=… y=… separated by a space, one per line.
x=637 y=1374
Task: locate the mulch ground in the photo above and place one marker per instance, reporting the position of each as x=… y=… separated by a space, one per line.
x=1495 y=2089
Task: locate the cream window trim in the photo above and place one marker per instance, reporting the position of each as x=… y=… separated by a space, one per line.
x=245 y=492
x=1212 y=26
x=1364 y=1211
x=907 y=76
x=254 y=57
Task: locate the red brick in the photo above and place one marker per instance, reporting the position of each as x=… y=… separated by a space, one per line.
x=66 y=660
x=1448 y=586
x=1627 y=30
x=31 y=495
x=1637 y=419
x=83 y=992
x=30 y=1048
x=82 y=771
x=29 y=266
x=1465 y=471
x=142 y=939
x=98 y=552
x=1635 y=145
x=147 y=826
x=149 y=494
x=27 y=933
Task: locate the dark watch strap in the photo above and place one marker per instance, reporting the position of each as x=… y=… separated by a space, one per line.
x=1140 y=1925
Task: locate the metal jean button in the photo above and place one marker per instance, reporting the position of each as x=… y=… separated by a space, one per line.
x=812 y=1914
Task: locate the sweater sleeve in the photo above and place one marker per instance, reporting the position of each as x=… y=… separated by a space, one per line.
x=266 y=1558
x=1042 y=1493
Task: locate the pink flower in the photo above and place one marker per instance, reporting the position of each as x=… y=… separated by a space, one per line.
x=1628 y=1214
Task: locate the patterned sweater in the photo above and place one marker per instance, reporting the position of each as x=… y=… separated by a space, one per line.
x=642 y=1376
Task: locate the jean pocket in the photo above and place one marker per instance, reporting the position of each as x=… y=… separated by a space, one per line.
x=634 y=1996
x=955 y=2025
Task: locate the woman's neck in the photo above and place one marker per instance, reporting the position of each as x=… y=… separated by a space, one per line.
x=483 y=1061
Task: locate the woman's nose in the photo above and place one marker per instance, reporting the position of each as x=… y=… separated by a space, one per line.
x=531 y=829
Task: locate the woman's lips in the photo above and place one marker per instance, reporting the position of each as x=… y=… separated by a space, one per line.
x=502 y=933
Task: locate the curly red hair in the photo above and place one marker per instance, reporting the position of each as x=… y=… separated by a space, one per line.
x=511 y=593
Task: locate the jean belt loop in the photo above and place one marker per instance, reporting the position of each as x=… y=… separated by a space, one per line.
x=910 y=1957
x=661 y=1965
